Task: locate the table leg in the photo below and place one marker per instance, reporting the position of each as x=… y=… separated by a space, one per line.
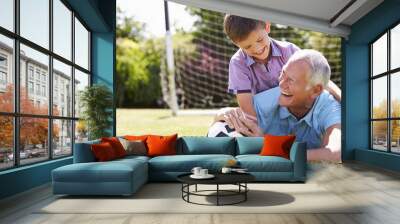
x=245 y=193
x=196 y=188
x=217 y=194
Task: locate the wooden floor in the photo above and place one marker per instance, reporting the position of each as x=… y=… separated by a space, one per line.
x=354 y=182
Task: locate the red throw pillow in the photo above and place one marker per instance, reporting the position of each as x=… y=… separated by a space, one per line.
x=277 y=145
x=116 y=145
x=161 y=145
x=103 y=151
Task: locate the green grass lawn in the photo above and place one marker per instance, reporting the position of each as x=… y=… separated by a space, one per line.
x=160 y=121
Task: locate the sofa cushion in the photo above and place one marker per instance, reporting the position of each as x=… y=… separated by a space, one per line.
x=185 y=163
x=161 y=145
x=249 y=145
x=257 y=163
x=103 y=152
x=112 y=171
x=277 y=145
x=116 y=145
x=206 y=145
x=136 y=147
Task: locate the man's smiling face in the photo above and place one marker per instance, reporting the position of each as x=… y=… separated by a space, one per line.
x=294 y=85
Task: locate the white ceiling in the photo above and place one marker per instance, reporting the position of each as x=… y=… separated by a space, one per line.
x=318 y=15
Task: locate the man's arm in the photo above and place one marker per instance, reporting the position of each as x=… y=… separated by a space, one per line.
x=331 y=148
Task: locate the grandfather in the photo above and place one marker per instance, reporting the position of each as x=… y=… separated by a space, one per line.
x=299 y=106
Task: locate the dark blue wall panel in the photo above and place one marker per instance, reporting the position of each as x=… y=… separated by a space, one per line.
x=356 y=84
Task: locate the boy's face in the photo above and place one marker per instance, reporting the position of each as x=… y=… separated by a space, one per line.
x=256 y=44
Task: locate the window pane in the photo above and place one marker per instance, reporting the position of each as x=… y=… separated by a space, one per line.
x=62 y=29
x=62 y=138
x=379 y=97
x=62 y=89
x=33 y=140
x=379 y=135
x=81 y=131
x=81 y=45
x=395 y=138
x=379 y=55
x=6 y=74
x=35 y=21
x=7 y=14
x=6 y=142
x=81 y=81
x=395 y=95
x=395 y=47
x=34 y=72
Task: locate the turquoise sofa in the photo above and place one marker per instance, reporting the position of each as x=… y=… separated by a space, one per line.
x=125 y=176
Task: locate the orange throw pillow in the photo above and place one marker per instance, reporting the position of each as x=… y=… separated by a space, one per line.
x=103 y=151
x=161 y=145
x=277 y=145
x=116 y=145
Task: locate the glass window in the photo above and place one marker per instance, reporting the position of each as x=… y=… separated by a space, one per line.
x=379 y=56
x=34 y=80
x=33 y=140
x=81 y=131
x=30 y=87
x=62 y=29
x=7 y=14
x=40 y=62
x=385 y=125
x=81 y=82
x=395 y=47
x=6 y=142
x=395 y=95
x=34 y=21
x=395 y=136
x=62 y=72
x=6 y=74
x=81 y=45
x=62 y=138
x=30 y=72
x=379 y=98
x=379 y=135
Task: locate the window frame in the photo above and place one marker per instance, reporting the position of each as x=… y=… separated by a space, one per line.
x=16 y=114
x=388 y=74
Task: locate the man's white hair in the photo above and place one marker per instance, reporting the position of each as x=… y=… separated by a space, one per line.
x=320 y=71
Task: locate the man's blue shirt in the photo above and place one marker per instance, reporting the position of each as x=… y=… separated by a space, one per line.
x=276 y=120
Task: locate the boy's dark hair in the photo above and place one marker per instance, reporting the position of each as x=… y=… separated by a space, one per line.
x=238 y=28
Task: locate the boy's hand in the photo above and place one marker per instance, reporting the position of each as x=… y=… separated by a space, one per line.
x=248 y=127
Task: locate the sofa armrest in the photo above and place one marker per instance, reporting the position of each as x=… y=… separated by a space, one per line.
x=83 y=152
x=298 y=155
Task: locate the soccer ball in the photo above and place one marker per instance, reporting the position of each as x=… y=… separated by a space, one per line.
x=222 y=129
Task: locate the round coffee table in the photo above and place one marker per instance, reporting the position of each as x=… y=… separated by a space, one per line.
x=238 y=179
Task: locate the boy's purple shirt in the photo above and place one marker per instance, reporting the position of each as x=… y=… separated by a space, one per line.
x=249 y=76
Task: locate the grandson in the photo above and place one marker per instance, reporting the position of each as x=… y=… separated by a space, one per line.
x=257 y=65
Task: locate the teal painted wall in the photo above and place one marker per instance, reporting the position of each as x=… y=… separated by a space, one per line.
x=103 y=63
x=356 y=84
x=99 y=16
x=24 y=178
